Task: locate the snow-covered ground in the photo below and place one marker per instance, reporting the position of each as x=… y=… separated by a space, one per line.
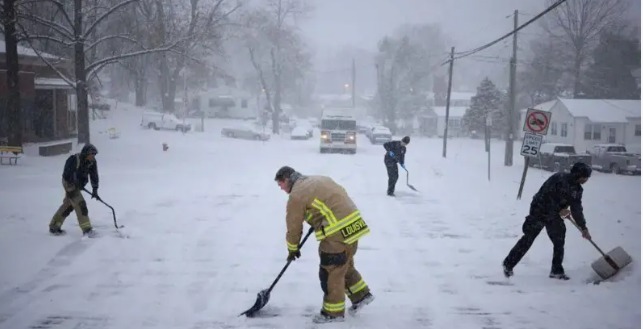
x=206 y=231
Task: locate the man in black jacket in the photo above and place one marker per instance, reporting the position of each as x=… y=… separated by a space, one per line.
x=79 y=169
x=395 y=151
x=549 y=206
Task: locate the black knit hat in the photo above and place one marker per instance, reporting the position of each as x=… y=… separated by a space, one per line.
x=406 y=139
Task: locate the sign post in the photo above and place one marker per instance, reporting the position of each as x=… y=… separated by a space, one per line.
x=487 y=135
x=535 y=127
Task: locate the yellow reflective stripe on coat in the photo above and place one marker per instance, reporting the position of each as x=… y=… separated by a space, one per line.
x=359 y=286
x=292 y=247
x=334 y=228
x=356 y=237
x=334 y=307
x=325 y=211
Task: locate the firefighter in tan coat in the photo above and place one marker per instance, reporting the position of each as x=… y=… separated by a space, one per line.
x=338 y=226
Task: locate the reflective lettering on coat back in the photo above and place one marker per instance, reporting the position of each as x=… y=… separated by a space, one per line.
x=353 y=228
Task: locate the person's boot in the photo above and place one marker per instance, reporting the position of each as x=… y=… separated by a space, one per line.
x=367 y=299
x=508 y=272
x=56 y=231
x=90 y=233
x=559 y=276
x=324 y=317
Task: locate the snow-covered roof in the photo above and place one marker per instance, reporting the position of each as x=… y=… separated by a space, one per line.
x=48 y=83
x=460 y=95
x=24 y=51
x=603 y=110
x=454 y=111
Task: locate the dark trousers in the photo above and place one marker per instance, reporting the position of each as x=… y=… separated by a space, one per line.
x=391 y=170
x=531 y=228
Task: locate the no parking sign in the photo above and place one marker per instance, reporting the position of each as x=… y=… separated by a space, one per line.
x=537 y=121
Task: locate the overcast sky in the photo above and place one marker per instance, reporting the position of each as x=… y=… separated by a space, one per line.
x=335 y=24
x=361 y=23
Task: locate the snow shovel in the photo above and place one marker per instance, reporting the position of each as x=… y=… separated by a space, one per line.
x=407 y=180
x=611 y=262
x=264 y=295
x=110 y=207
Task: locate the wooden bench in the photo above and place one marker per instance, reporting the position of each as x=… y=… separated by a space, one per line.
x=10 y=152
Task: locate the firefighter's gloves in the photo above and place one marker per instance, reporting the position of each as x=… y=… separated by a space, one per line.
x=292 y=255
x=564 y=213
x=95 y=194
x=586 y=235
x=402 y=165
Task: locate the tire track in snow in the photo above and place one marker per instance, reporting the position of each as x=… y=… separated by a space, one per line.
x=16 y=300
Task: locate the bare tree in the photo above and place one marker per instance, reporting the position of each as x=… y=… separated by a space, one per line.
x=579 y=24
x=276 y=48
x=14 y=117
x=79 y=32
x=200 y=25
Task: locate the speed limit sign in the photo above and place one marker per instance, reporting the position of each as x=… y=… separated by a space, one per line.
x=531 y=145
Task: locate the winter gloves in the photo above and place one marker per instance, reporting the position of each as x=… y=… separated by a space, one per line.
x=292 y=255
x=95 y=193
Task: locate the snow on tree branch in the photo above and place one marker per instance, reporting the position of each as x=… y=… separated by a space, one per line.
x=105 y=15
x=48 y=37
x=64 y=31
x=42 y=58
x=110 y=37
x=93 y=66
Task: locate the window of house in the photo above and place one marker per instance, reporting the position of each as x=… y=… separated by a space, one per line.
x=554 y=128
x=597 y=132
x=244 y=103
x=588 y=132
x=637 y=130
x=563 y=130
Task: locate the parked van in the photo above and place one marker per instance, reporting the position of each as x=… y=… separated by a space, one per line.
x=157 y=121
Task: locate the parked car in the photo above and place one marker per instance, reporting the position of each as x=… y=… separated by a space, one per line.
x=559 y=157
x=300 y=132
x=157 y=121
x=615 y=158
x=245 y=131
x=380 y=135
x=305 y=125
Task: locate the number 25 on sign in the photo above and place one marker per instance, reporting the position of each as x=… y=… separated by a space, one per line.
x=531 y=145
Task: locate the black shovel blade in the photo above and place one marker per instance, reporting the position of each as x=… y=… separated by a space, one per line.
x=262 y=299
x=412 y=187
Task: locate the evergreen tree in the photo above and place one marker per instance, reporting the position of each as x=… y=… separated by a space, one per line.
x=488 y=100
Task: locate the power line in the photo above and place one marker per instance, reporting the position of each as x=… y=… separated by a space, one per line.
x=483 y=47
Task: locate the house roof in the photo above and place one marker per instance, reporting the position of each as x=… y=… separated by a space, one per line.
x=454 y=111
x=24 y=51
x=51 y=83
x=603 y=110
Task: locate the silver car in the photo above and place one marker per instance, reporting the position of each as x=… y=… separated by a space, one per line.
x=245 y=131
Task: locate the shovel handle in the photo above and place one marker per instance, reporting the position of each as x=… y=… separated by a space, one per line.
x=301 y=244
x=571 y=219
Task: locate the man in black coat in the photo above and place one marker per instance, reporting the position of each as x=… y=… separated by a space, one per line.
x=395 y=151
x=79 y=169
x=559 y=196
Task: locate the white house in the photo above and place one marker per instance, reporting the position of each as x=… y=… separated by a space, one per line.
x=587 y=122
x=456 y=113
x=225 y=102
x=432 y=121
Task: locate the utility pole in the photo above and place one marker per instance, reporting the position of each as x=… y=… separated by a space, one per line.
x=509 y=146
x=446 y=120
x=353 y=83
